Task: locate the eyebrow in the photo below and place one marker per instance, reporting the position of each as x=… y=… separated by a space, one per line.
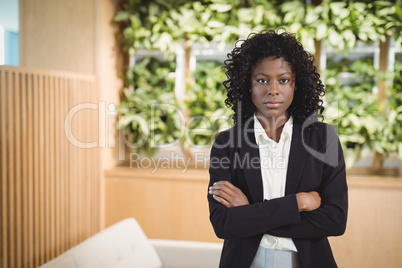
x=279 y=74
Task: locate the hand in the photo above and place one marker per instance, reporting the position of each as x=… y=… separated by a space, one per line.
x=227 y=194
x=308 y=201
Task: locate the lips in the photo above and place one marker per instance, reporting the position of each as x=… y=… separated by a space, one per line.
x=273 y=104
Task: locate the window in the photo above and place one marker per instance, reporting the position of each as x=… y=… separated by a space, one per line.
x=9 y=30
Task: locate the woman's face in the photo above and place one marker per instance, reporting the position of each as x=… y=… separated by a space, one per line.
x=272 y=88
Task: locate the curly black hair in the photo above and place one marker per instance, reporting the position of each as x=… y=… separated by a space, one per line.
x=307 y=98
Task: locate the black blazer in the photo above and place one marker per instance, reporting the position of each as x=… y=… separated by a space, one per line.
x=316 y=163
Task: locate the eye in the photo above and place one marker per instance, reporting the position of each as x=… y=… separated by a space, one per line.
x=261 y=81
x=284 y=80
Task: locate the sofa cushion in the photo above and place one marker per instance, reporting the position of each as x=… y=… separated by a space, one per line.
x=65 y=262
x=185 y=254
x=123 y=244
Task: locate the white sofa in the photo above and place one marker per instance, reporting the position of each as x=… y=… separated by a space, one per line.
x=125 y=245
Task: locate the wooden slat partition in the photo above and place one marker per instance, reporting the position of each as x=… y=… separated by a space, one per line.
x=49 y=186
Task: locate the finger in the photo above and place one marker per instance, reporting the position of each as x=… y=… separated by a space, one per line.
x=221 y=194
x=315 y=193
x=225 y=188
x=222 y=201
x=229 y=188
x=226 y=183
x=219 y=187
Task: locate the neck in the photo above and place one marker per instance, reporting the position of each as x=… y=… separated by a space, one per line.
x=273 y=126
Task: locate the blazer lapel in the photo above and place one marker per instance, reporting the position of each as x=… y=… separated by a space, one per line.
x=249 y=154
x=297 y=158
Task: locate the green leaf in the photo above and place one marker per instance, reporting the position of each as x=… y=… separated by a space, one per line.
x=215 y=24
x=334 y=38
x=311 y=17
x=122 y=16
x=363 y=36
x=350 y=37
x=337 y=7
x=258 y=15
x=321 y=31
x=221 y=7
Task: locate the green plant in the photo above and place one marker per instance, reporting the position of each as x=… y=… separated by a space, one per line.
x=206 y=104
x=150 y=112
x=163 y=25
x=341 y=23
x=353 y=108
x=149 y=109
x=363 y=124
x=393 y=129
x=395 y=90
x=171 y=25
x=388 y=16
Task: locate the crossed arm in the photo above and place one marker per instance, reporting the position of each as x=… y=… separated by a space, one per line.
x=230 y=196
x=301 y=215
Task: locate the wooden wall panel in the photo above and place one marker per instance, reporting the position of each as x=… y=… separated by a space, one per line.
x=48 y=189
x=58 y=35
x=76 y=36
x=167 y=204
x=374 y=229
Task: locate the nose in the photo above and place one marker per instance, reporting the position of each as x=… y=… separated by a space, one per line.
x=273 y=88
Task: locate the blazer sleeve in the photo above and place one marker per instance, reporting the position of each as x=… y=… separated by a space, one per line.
x=247 y=220
x=330 y=218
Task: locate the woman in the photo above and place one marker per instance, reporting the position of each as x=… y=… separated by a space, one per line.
x=277 y=178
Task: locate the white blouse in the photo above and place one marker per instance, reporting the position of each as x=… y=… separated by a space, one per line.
x=274 y=158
